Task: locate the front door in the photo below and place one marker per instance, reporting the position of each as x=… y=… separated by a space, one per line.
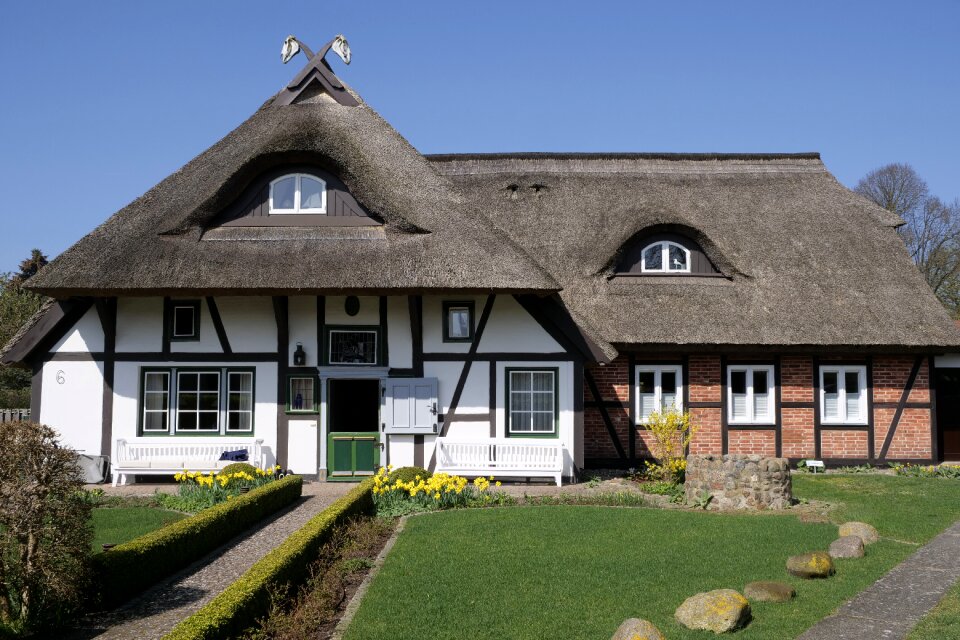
x=948 y=413
x=353 y=428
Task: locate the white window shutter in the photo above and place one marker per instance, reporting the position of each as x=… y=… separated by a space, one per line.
x=410 y=406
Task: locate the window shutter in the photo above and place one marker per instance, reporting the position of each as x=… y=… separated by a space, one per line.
x=410 y=406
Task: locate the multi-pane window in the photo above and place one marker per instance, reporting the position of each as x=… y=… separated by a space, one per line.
x=457 y=321
x=198 y=401
x=214 y=401
x=659 y=388
x=667 y=257
x=750 y=394
x=298 y=193
x=347 y=346
x=303 y=394
x=156 y=401
x=843 y=394
x=239 y=401
x=532 y=402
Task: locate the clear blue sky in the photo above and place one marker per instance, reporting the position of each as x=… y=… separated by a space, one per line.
x=101 y=100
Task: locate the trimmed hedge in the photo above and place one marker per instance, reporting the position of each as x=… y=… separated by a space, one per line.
x=131 y=567
x=241 y=604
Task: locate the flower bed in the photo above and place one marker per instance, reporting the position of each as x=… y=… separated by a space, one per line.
x=431 y=493
x=200 y=491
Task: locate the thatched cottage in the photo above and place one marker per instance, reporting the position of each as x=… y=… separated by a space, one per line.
x=314 y=290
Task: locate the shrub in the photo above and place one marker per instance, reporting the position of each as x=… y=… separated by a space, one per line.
x=44 y=528
x=133 y=566
x=671 y=432
x=439 y=491
x=239 y=606
x=408 y=474
x=240 y=467
x=198 y=491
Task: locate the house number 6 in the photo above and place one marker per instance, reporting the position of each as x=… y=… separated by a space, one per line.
x=60 y=377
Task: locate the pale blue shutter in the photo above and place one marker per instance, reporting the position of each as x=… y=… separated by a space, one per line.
x=410 y=405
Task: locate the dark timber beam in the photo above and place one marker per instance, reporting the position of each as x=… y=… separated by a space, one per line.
x=281 y=313
x=218 y=325
x=911 y=379
x=107 y=310
x=608 y=423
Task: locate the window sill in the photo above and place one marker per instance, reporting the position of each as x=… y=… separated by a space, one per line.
x=294 y=412
x=524 y=434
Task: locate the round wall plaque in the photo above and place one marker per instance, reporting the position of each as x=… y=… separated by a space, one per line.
x=352 y=305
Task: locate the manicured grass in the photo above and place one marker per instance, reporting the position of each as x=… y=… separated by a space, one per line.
x=119 y=524
x=943 y=621
x=533 y=572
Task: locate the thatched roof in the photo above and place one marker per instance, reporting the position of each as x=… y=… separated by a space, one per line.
x=162 y=241
x=808 y=262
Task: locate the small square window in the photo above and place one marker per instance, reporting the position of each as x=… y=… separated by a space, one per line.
x=458 y=321
x=302 y=394
x=184 y=320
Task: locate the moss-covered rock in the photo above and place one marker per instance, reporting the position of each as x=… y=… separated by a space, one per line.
x=636 y=629
x=764 y=591
x=719 y=611
x=866 y=532
x=811 y=565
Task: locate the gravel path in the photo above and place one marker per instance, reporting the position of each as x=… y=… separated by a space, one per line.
x=895 y=603
x=156 y=611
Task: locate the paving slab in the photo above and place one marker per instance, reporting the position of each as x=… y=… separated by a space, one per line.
x=893 y=605
x=152 y=614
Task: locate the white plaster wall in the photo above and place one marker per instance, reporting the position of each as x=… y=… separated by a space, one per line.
x=447 y=373
x=400 y=340
x=400 y=450
x=209 y=342
x=512 y=329
x=469 y=431
x=249 y=322
x=140 y=324
x=302 y=446
x=302 y=322
x=369 y=310
x=72 y=403
x=126 y=390
x=86 y=335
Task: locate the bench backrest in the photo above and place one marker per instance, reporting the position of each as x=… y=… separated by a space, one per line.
x=186 y=450
x=513 y=453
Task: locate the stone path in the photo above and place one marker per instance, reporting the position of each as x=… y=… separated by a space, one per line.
x=890 y=608
x=156 y=611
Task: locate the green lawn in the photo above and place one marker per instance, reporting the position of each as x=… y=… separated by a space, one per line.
x=577 y=572
x=119 y=524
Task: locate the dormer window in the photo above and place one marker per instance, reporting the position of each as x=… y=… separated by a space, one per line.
x=666 y=257
x=298 y=193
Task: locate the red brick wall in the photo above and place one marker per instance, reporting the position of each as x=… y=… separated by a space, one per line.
x=890 y=374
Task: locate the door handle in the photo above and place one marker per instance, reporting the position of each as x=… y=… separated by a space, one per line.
x=433 y=409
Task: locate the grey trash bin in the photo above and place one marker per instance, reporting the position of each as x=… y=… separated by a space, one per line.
x=93 y=468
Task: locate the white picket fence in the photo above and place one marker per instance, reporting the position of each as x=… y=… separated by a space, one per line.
x=507 y=457
x=12 y=415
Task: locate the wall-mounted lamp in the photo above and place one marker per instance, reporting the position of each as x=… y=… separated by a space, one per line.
x=299 y=356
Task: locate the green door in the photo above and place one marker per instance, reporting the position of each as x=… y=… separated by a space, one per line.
x=353 y=435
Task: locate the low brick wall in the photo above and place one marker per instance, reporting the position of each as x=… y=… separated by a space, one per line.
x=739 y=481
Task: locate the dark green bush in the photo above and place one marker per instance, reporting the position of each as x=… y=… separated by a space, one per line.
x=241 y=604
x=238 y=467
x=408 y=474
x=131 y=567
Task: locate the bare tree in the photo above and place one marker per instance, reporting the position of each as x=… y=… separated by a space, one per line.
x=932 y=229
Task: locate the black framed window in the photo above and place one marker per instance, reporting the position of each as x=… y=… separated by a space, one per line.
x=349 y=345
x=458 y=321
x=532 y=402
x=183 y=320
x=302 y=393
x=207 y=401
x=239 y=401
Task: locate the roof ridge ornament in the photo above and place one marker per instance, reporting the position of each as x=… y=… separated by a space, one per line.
x=317 y=70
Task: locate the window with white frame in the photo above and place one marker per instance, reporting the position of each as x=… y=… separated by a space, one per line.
x=207 y=401
x=750 y=394
x=659 y=388
x=531 y=402
x=298 y=193
x=665 y=257
x=843 y=394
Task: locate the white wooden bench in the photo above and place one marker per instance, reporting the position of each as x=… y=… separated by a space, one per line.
x=167 y=457
x=501 y=458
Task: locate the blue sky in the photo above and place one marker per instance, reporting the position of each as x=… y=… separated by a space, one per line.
x=101 y=100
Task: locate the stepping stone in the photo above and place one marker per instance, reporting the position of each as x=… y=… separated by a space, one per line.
x=811 y=565
x=764 y=591
x=867 y=533
x=719 y=611
x=847 y=547
x=636 y=629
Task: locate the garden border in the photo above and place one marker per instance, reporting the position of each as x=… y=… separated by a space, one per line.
x=129 y=568
x=240 y=604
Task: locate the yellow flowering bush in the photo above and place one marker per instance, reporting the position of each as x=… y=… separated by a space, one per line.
x=671 y=433
x=200 y=490
x=433 y=492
